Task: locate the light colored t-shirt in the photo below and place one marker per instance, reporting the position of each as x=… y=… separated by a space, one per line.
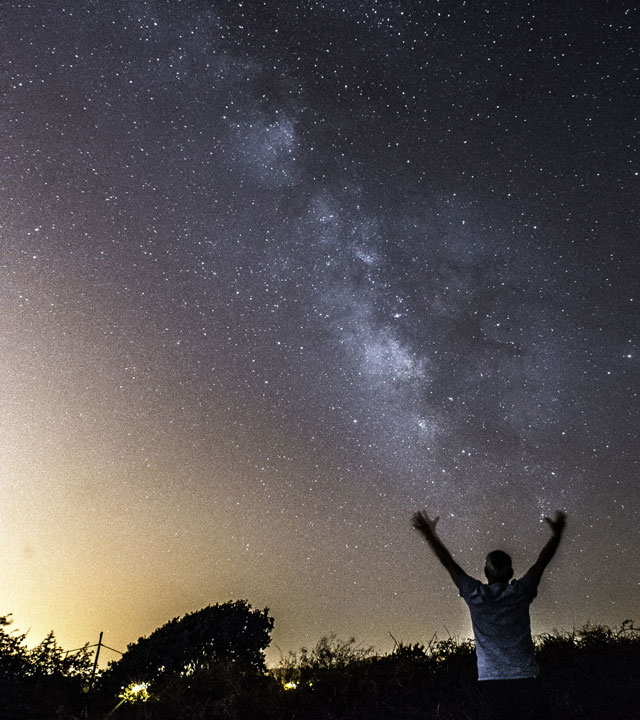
x=502 y=627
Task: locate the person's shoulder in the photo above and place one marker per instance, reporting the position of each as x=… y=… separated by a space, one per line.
x=467 y=584
x=527 y=579
x=528 y=583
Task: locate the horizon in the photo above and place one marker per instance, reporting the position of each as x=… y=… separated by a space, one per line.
x=114 y=654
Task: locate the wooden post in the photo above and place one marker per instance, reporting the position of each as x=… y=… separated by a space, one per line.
x=95 y=663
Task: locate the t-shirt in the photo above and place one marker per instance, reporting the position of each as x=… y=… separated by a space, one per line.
x=502 y=627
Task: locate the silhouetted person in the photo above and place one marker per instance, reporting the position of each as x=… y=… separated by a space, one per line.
x=499 y=611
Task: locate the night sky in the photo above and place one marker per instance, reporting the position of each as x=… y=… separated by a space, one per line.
x=276 y=275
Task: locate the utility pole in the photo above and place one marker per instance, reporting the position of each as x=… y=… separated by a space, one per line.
x=95 y=662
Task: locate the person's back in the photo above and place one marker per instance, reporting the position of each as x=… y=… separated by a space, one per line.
x=501 y=626
x=499 y=610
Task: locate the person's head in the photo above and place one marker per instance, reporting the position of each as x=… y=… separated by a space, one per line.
x=497 y=567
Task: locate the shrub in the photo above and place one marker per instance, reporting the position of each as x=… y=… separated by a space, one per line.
x=216 y=642
x=38 y=682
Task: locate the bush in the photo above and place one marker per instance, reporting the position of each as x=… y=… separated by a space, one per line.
x=589 y=673
x=209 y=665
x=37 y=683
x=200 y=655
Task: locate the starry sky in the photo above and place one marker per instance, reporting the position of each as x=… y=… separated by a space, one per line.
x=274 y=275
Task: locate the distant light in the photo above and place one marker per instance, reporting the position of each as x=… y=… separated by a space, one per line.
x=135 y=692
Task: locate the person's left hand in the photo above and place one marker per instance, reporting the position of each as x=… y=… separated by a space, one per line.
x=558 y=523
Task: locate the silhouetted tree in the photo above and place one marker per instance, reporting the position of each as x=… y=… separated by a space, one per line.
x=228 y=633
x=14 y=667
x=37 y=682
x=13 y=660
x=48 y=659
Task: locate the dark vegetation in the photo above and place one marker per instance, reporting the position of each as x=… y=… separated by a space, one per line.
x=209 y=665
x=35 y=682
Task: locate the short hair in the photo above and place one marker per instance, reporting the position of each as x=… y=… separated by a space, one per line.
x=498 y=565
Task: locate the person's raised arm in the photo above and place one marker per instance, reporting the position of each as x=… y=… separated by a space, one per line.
x=427 y=528
x=549 y=550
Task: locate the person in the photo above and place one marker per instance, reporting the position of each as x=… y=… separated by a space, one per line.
x=507 y=669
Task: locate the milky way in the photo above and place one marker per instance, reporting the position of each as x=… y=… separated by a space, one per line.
x=274 y=275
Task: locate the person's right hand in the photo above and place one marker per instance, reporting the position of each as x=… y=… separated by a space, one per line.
x=558 y=523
